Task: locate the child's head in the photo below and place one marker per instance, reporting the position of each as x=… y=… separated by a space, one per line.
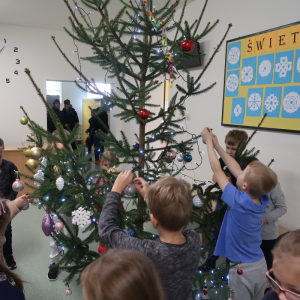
x=108 y=160
x=121 y=275
x=232 y=140
x=56 y=134
x=257 y=179
x=170 y=201
x=286 y=262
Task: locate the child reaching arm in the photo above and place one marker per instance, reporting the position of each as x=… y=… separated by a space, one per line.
x=170 y=204
x=240 y=239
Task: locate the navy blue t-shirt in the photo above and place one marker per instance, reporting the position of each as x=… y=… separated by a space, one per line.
x=270 y=295
x=239 y=237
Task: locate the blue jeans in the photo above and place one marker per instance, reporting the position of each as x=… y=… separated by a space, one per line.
x=7 y=247
x=98 y=146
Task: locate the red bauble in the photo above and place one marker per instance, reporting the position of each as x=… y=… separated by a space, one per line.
x=144 y=114
x=240 y=272
x=187 y=45
x=205 y=292
x=102 y=249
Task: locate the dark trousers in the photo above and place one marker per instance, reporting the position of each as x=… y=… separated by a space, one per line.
x=7 y=247
x=267 y=246
x=98 y=147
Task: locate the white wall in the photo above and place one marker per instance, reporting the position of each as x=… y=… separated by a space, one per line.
x=38 y=53
x=247 y=17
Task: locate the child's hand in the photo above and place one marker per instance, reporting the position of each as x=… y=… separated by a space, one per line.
x=206 y=134
x=122 y=181
x=21 y=201
x=215 y=140
x=141 y=185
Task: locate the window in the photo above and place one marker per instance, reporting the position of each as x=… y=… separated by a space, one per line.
x=53 y=88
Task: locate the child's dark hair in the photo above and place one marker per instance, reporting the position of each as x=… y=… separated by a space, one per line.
x=121 y=275
x=4 y=220
x=1 y=142
x=234 y=137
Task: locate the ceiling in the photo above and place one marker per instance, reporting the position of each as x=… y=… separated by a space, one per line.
x=51 y=14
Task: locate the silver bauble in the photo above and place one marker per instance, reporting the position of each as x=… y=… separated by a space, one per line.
x=180 y=157
x=25 y=207
x=197 y=201
x=130 y=190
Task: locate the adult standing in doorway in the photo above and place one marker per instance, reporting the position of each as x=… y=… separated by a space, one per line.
x=99 y=142
x=56 y=108
x=70 y=118
x=7 y=178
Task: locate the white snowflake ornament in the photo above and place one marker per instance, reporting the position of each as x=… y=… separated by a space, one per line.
x=232 y=82
x=60 y=183
x=39 y=175
x=247 y=74
x=234 y=55
x=291 y=102
x=283 y=66
x=237 y=110
x=254 y=101
x=271 y=103
x=81 y=217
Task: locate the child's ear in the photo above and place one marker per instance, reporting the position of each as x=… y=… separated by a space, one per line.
x=154 y=221
x=245 y=186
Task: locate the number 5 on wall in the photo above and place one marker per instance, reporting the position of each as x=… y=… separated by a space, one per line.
x=7 y=80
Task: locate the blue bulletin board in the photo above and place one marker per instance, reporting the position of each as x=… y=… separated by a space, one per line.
x=262 y=75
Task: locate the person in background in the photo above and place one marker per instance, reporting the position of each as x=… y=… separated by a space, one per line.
x=99 y=142
x=121 y=275
x=276 y=208
x=56 y=108
x=7 y=178
x=70 y=118
x=284 y=278
x=90 y=139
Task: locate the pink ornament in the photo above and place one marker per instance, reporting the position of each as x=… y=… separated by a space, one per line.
x=18 y=185
x=171 y=154
x=59 y=225
x=60 y=146
x=68 y=292
x=47 y=225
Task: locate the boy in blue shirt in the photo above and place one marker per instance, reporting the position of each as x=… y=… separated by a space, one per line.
x=240 y=235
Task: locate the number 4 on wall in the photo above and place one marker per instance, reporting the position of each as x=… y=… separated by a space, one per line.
x=16 y=72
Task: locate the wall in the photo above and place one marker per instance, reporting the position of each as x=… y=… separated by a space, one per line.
x=247 y=17
x=37 y=52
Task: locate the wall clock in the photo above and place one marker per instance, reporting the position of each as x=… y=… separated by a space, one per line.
x=4 y=48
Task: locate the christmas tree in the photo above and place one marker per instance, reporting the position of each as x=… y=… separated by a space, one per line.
x=134 y=52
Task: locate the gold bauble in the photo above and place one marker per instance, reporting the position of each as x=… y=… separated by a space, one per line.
x=36 y=152
x=24 y=121
x=27 y=152
x=56 y=169
x=32 y=163
x=113 y=170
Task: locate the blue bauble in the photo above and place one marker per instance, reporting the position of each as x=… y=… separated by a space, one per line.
x=137 y=145
x=188 y=158
x=25 y=207
x=203 y=142
x=129 y=232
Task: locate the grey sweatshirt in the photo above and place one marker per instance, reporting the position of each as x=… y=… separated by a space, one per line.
x=275 y=209
x=176 y=264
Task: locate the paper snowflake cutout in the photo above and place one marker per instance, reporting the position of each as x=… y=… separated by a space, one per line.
x=39 y=175
x=298 y=65
x=247 y=74
x=264 y=68
x=291 y=102
x=271 y=103
x=81 y=217
x=232 y=82
x=234 y=55
x=237 y=110
x=254 y=102
x=283 y=66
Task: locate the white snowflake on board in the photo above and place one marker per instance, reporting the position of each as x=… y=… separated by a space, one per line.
x=283 y=66
x=232 y=82
x=247 y=74
x=237 y=110
x=291 y=102
x=81 y=217
x=39 y=175
x=234 y=55
x=264 y=68
x=254 y=102
x=271 y=103
x=298 y=65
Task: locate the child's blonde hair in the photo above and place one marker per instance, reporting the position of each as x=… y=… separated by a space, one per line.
x=260 y=178
x=287 y=244
x=170 y=201
x=110 y=157
x=55 y=133
x=233 y=137
x=121 y=275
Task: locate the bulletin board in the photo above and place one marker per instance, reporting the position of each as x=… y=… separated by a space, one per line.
x=262 y=75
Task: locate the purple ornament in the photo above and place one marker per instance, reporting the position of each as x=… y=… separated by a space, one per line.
x=171 y=154
x=165 y=52
x=68 y=292
x=47 y=225
x=18 y=186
